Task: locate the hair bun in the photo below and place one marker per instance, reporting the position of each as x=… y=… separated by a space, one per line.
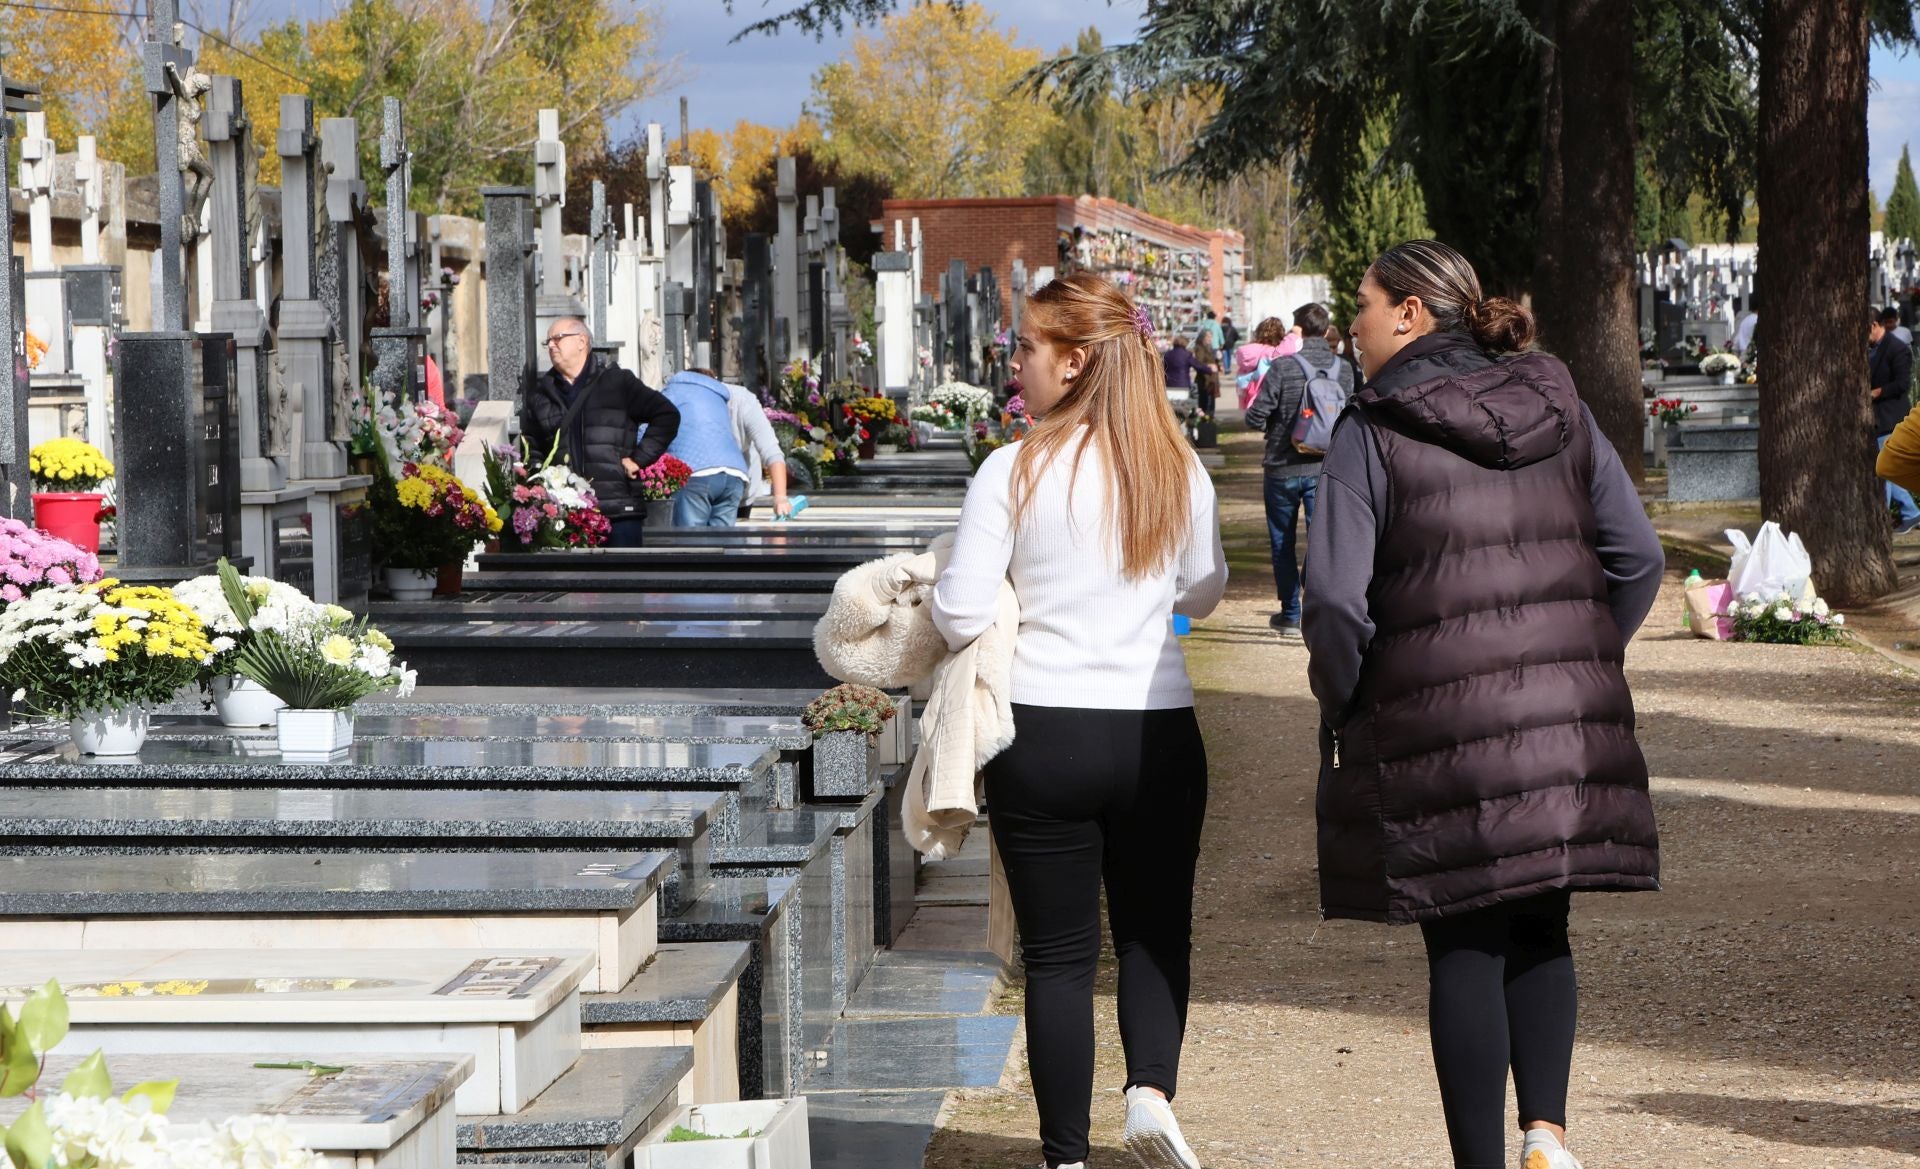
x=1499 y=324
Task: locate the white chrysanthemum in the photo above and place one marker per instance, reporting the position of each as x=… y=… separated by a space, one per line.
x=1783 y=614
x=1820 y=608
x=113 y=1134
x=1839 y=619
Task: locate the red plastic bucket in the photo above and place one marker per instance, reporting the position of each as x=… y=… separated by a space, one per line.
x=73 y=516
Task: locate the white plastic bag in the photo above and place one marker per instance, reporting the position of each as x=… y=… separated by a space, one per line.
x=1775 y=562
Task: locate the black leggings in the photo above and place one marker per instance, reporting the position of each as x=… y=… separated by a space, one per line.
x=1082 y=797
x=1502 y=994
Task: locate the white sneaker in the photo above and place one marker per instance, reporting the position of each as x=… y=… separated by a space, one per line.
x=1153 y=1135
x=1542 y=1151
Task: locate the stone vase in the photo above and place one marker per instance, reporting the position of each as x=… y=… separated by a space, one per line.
x=659 y=513
x=777 y=1137
x=242 y=702
x=447 y=581
x=845 y=763
x=314 y=735
x=109 y=732
x=411 y=584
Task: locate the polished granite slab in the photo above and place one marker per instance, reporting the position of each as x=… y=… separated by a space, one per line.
x=471 y=883
x=683 y=984
x=910 y=1054
x=107 y=815
x=841 y=553
x=518 y=605
x=604 y=1104
x=502 y=725
x=710 y=654
x=245 y=761
x=746 y=579
x=575 y=634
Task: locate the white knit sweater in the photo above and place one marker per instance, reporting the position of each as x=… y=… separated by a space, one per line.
x=1088 y=637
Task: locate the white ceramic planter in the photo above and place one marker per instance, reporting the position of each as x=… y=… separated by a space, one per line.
x=109 y=732
x=411 y=584
x=780 y=1140
x=314 y=735
x=242 y=702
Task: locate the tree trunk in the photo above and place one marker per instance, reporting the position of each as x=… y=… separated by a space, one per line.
x=1584 y=293
x=1816 y=429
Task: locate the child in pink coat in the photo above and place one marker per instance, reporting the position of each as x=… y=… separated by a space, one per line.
x=1272 y=340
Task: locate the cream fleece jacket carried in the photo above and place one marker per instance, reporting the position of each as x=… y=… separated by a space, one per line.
x=878 y=631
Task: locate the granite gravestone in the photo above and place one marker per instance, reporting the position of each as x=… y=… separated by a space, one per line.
x=338 y=281
x=555 y=302
x=14 y=444
x=786 y=259
x=236 y=312
x=400 y=348
x=511 y=356
x=306 y=334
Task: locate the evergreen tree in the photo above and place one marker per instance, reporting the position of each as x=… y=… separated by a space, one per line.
x=1903 y=204
x=1381 y=205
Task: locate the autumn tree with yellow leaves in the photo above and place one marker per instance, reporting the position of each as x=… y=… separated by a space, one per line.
x=930 y=103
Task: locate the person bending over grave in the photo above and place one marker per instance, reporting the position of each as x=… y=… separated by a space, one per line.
x=1106 y=525
x=588 y=412
x=1478 y=564
x=712 y=420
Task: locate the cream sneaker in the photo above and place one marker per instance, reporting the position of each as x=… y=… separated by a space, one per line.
x=1541 y=1151
x=1153 y=1135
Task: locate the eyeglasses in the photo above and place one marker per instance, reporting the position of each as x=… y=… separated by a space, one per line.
x=552 y=341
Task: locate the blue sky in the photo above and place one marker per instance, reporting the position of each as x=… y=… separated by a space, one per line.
x=1893 y=114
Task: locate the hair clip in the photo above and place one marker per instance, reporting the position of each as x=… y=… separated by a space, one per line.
x=1143 y=320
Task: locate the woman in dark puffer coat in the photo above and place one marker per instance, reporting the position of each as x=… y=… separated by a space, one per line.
x=1479 y=561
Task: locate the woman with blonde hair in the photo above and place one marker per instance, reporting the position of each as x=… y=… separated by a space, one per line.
x=1106 y=525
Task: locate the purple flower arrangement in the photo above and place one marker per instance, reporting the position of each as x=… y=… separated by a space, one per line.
x=30 y=559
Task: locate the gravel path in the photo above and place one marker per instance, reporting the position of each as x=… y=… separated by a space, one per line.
x=1760 y=1011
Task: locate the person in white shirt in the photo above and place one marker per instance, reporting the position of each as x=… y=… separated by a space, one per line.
x=1106 y=525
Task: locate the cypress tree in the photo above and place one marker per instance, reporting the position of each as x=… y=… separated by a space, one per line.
x=1903 y=205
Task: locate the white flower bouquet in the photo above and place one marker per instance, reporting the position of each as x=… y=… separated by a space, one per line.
x=1784 y=620
x=1719 y=363
x=965 y=401
x=320 y=659
x=276 y=606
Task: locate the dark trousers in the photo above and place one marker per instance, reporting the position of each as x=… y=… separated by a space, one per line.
x=628 y=530
x=1286 y=495
x=1502 y=995
x=1085 y=798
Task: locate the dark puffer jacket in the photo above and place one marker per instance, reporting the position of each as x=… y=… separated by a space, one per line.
x=602 y=431
x=1486 y=749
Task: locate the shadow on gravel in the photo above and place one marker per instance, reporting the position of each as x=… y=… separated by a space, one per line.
x=957 y=1149
x=1796 y=1122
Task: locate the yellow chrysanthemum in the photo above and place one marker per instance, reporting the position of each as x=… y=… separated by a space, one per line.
x=337 y=650
x=379 y=640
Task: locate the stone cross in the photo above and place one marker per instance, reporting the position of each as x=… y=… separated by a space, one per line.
x=337 y=276
x=399 y=349
x=306 y=334
x=550 y=197
x=165 y=64
x=396 y=162
x=18 y=498
x=786 y=254
x=263 y=418
x=89 y=178
x=36 y=182
x=602 y=233
x=706 y=280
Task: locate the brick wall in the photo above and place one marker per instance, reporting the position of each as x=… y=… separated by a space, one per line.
x=984 y=233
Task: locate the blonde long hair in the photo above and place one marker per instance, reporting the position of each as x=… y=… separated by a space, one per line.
x=1120 y=397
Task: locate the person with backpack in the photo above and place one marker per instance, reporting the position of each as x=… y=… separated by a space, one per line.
x=1480 y=561
x=1298 y=402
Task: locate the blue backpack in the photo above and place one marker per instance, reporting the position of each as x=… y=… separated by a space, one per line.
x=1320 y=405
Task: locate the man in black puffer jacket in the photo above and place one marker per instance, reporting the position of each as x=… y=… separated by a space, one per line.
x=600 y=408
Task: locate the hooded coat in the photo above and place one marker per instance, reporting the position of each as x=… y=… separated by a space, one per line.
x=1468 y=616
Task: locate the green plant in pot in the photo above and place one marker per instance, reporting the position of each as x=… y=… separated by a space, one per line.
x=846 y=722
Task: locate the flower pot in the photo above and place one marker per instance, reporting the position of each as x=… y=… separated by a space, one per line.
x=779 y=1140
x=109 y=732
x=411 y=584
x=844 y=763
x=361 y=464
x=447 y=583
x=242 y=702
x=73 y=516
x=867 y=448
x=308 y=735
x=887 y=448
x=1726 y=379
x=659 y=513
